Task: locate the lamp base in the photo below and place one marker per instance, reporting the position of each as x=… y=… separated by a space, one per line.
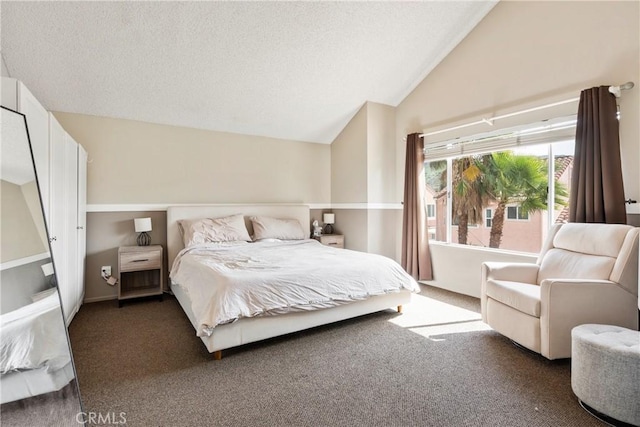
x=144 y=239
x=328 y=229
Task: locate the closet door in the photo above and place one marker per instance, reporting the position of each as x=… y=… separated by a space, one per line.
x=58 y=211
x=38 y=125
x=70 y=242
x=82 y=221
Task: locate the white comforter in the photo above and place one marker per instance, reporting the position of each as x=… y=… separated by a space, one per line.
x=228 y=282
x=34 y=336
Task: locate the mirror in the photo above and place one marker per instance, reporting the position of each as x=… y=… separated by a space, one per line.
x=37 y=375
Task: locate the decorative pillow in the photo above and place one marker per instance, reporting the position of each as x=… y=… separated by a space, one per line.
x=209 y=230
x=265 y=227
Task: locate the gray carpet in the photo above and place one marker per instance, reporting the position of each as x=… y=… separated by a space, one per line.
x=56 y=409
x=440 y=369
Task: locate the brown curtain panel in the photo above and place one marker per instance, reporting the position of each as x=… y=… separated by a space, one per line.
x=597 y=192
x=415 y=241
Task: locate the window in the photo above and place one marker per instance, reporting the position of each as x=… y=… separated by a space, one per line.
x=435 y=175
x=503 y=183
x=431 y=210
x=488 y=214
x=516 y=213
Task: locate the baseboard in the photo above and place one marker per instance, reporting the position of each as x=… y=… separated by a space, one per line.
x=98 y=299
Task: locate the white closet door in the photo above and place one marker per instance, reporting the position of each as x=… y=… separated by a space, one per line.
x=38 y=125
x=70 y=242
x=57 y=211
x=82 y=220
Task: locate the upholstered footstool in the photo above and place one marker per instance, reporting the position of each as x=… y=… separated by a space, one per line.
x=605 y=371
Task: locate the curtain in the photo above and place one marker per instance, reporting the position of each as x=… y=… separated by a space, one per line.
x=415 y=241
x=597 y=192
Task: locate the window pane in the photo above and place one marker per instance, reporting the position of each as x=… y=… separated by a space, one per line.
x=563 y=162
x=506 y=191
x=467 y=204
x=522 y=214
x=524 y=181
x=435 y=174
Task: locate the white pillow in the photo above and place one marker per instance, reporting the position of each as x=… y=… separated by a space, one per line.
x=265 y=227
x=210 y=230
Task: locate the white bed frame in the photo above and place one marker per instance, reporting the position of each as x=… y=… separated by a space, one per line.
x=249 y=330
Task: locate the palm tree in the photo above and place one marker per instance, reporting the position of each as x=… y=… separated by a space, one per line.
x=521 y=179
x=469 y=195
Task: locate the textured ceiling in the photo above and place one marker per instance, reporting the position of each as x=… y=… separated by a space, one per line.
x=292 y=70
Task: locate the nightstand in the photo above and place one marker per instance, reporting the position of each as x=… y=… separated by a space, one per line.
x=333 y=240
x=140 y=272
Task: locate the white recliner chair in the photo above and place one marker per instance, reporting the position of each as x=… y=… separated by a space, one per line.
x=585 y=273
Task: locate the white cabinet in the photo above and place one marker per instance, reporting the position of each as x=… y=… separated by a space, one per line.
x=82 y=221
x=67 y=215
x=61 y=168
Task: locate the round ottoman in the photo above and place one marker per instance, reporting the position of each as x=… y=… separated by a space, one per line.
x=605 y=370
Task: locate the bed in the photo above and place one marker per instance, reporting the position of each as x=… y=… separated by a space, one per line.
x=34 y=354
x=222 y=331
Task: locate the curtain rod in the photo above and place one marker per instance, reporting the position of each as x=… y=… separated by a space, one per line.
x=615 y=90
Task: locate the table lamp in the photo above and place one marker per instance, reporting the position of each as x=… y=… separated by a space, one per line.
x=328 y=219
x=142 y=226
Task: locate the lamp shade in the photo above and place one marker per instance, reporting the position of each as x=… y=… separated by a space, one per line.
x=142 y=224
x=329 y=218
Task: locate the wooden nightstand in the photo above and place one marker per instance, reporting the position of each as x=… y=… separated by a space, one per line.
x=333 y=240
x=140 y=272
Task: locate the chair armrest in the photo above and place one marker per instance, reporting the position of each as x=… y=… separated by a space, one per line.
x=566 y=303
x=512 y=271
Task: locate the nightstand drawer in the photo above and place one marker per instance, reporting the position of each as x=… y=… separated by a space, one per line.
x=140 y=260
x=333 y=240
x=140 y=272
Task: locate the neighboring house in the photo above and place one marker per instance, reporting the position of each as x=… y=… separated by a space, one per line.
x=430 y=206
x=521 y=232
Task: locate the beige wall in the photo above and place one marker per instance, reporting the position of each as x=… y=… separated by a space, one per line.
x=363 y=172
x=133 y=162
x=349 y=161
x=381 y=231
x=381 y=121
x=525 y=54
x=20 y=237
x=352 y=224
x=363 y=157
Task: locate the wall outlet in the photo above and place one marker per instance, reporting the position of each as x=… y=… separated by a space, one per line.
x=105 y=271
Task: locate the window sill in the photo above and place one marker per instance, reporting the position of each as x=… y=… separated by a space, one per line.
x=482 y=249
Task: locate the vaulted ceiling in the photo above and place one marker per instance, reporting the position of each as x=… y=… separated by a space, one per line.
x=292 y=70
